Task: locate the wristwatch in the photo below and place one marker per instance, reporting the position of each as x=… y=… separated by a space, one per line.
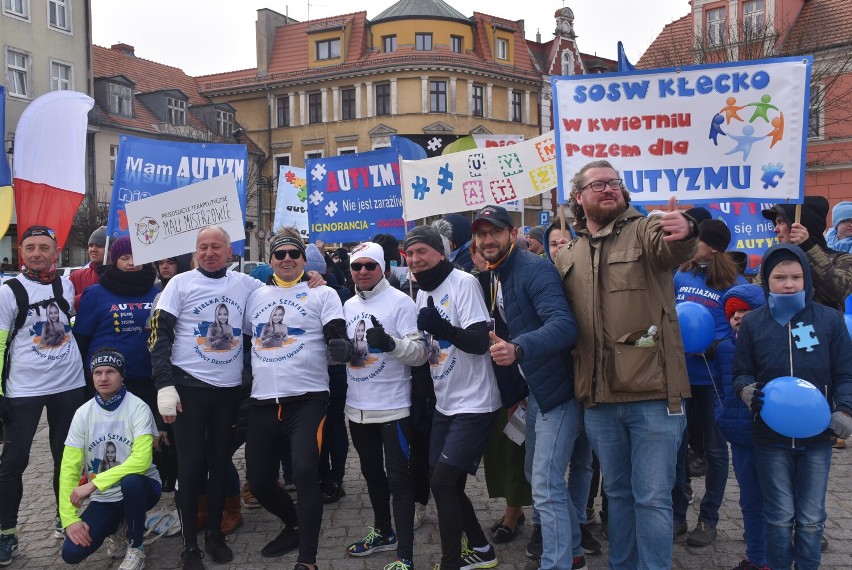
x=519 y=352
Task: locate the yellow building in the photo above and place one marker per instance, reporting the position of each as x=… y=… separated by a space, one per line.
x=345 y=84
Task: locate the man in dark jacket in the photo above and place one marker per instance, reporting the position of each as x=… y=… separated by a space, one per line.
x=831 y=270
x=526 y=294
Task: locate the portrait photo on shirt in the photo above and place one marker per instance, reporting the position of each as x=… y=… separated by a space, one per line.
x=52 y=331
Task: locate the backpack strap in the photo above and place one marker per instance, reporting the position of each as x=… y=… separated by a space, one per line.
x=60 y=298
x=22 y=300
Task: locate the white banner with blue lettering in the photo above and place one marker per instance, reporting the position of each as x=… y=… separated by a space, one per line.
x=353 y=197
x=147 y=167
x=708 y=133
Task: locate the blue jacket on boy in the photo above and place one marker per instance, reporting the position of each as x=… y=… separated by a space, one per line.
x=814 y=346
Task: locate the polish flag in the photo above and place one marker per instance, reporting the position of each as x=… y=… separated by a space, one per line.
x=50 y=161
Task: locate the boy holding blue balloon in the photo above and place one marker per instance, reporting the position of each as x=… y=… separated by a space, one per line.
x=791 y=336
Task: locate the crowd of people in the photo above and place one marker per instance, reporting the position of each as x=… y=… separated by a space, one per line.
x=556 y=360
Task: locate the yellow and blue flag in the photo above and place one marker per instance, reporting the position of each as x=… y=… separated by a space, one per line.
x=6 y=196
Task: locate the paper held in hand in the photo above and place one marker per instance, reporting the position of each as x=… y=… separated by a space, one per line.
x=516 y=427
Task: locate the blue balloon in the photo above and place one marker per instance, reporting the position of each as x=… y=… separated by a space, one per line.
x=849 y=305
x=696 y=326
x=848 y=319
x=794 y=407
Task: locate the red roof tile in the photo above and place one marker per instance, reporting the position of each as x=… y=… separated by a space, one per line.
x=821 y=24
x=672 y=47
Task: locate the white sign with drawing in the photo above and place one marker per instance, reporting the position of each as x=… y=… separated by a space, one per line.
x=167 y=224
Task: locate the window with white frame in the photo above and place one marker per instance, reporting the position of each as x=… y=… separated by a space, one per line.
x=753 y=11
x=59 y=14
x=18 y=73
x=328 y=49
x=113 y=158
x=18 y=8
x=347 y=150
x=502 y=49
x=120 y=97
x=313 y=155
x=457 y=44
x=176 y=111
x=388 y=44
x=715 y=26
x=281 y=160
x=224 y=122
x=60 y=76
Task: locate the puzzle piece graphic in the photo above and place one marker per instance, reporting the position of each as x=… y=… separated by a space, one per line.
x=318 y=172
x=805 y=337
x=290 y=176
x=445 y=178
x=302 y=194
x=546 y=149
x=434 y=144
x=543 y=177
x=331 y=209
x=420 y=188
x=770 y=172
x=317 y=197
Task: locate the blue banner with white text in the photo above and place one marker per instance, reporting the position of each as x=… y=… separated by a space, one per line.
x=353 y=197
x=146 y=167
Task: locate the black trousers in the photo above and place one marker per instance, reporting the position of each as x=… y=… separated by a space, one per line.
x=384 y=452
x=455 y=514
x=19 y=430
x=299 y=426
x=203 y=431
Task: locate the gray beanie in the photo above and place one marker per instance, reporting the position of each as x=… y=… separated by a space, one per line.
x=315 y=260
x=98 y=237
x=425 y=234
x=537 y=233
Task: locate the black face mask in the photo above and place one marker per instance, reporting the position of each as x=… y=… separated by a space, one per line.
x=431 y=279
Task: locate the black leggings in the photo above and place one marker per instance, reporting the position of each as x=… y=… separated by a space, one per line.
x=455 y=514
x=372 y=442
x=203 y=430
x=299 y=426
x=19 y=430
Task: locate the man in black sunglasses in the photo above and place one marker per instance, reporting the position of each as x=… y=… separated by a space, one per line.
x=290 y=392
x=378 y=400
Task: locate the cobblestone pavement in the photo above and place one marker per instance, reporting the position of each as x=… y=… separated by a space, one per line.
x=346 y=521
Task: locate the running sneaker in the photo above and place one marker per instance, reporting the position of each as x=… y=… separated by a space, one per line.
x=375 y=541
x=133 y=560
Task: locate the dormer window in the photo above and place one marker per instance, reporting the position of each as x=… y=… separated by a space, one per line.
x=328 y=49
x=120 y=98
x=176 y=111
x=224 y=122
x=502 y=49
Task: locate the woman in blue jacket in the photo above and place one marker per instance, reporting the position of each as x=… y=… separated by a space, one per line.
x=704 y=280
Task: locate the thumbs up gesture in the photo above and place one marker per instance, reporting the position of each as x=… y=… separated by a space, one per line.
x=429 y=319
x=674 y=223
x=502 y=352
x=378 y=338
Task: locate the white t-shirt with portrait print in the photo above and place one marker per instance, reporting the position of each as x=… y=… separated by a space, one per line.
x=106 y=438
x=377 y=380
x=295 y=363
x=208 y=333
x=464 y=382
x=44 y=357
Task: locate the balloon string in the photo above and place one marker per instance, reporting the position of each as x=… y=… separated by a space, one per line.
x=712 y=380
x=790 y=346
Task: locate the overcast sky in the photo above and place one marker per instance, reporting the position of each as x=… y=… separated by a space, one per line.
x=212 y=36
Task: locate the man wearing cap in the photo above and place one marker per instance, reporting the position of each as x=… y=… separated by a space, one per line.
x=90 y=274
x=535 y=239
x=831 y=270
x=525 y=294
x=453 y=314
x=839 y=237
x=36 y=375
x=112 y=439
x=197 y=359
x=378 y=401
x=617 y=275
x=290 y=392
